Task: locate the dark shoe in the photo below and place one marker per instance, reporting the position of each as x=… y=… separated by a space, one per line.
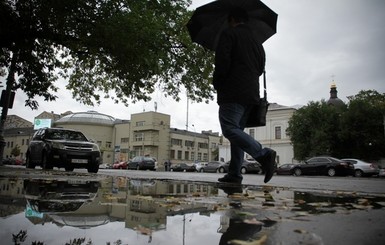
x=230 y=179
x=268 y=165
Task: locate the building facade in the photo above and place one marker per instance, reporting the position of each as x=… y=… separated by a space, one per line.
x=147 y=133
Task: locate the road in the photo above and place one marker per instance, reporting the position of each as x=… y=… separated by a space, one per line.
x=371 y=185
x=190 y=208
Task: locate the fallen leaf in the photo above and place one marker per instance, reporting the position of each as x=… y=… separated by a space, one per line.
x=260 y=241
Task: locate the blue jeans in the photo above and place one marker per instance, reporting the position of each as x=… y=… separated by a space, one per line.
x=233 y=117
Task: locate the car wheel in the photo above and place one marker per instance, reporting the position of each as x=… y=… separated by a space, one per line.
x=243 y=171
x=69 y=168
x=297 y=172
x=28 y=163
x=93 y=169
x=201 y=170
x=358 y=173
x=171 y=170
x=137 y=167
x=221 y=170
x=331 y=172
x=44 y=163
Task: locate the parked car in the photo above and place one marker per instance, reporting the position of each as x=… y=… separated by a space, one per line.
x=324 y=166
x=142 y=163
x=251 y=167
x=362 y=168
x=182 y=167
x=214 y=167
x=382 y=172
x=248 y=166
x=62 y=148
x=285 y=169
x=120 y=165
x=13 y=161
x=105 y=166
x=199 y=166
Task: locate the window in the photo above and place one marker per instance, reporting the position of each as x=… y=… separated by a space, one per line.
x=192 y=156
x=205 y=157
x=176 y=142
x=199 y=156
x=203 y=145
x=278 y=135
x=213 y=145
x=180 y=155
x=252 y=133
x=139 y=136
x=22 y=141
x=186 y=155
x=172 y=154
x=140 y=123
x=124 y=140
x=108 y=144
x=189 y=143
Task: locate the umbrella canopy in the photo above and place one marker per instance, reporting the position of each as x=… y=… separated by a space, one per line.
x=209 y=20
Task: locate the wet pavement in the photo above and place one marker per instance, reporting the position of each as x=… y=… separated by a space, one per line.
x=80 y=208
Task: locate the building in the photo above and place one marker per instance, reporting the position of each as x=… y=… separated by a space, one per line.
x=147 y=133
x=334 y=100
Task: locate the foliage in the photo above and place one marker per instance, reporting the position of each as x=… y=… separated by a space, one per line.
x=118 y=49
x=356 y=130
x=16 y=151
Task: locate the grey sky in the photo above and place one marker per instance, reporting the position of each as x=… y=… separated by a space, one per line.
x=317 y=41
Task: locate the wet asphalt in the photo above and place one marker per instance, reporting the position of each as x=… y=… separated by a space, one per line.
x=145 y=207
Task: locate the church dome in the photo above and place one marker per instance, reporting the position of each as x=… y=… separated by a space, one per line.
x=89 y=117
x=334 y=100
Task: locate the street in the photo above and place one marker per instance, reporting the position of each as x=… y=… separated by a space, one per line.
x=141 y=207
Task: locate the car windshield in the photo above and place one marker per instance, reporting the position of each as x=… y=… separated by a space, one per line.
x=65 y=135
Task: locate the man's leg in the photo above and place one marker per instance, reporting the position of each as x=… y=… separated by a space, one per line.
x=233 y=118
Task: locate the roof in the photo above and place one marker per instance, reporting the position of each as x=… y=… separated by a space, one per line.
x=87 y=117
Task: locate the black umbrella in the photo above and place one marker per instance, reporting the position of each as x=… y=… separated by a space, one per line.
x=209 y=20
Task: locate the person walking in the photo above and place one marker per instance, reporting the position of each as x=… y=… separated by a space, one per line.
x=239 y=61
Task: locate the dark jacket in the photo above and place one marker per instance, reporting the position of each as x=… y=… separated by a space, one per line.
x=239 y=61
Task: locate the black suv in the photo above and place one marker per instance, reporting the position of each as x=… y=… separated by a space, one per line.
x=62 y=148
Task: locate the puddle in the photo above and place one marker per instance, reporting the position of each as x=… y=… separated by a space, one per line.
x=119 y=210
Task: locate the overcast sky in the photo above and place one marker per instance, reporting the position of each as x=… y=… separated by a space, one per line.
x=317 y=41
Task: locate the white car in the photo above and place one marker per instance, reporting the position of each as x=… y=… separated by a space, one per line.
x=362 y=168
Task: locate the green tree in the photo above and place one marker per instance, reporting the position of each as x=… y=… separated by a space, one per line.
x=122 y=47
x=313 y=129
x=362 y=126
x=117 y=49
x=355 y=130
x=16 y=151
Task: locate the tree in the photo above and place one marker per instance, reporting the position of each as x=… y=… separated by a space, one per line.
x=356 y=130
x=117 y=49
x=362 y=126
x=313 y=130
x=16 y=151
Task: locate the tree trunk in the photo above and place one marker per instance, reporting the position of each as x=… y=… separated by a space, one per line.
x=7 y=99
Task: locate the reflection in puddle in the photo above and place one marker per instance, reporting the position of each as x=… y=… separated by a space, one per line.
x=120 y=210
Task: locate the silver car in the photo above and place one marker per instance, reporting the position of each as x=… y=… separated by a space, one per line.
x=362 y=168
